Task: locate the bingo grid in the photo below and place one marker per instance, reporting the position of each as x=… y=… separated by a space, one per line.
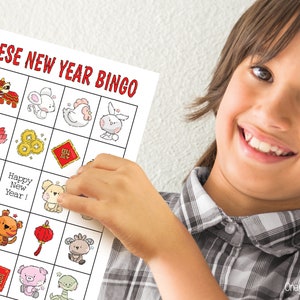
x=39 y=150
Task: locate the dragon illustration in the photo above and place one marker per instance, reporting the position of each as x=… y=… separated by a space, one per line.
x=11 y=98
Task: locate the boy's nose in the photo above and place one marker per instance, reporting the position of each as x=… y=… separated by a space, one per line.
x=276 y=112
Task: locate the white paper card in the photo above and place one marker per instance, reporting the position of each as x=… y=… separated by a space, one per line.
x=59 y=108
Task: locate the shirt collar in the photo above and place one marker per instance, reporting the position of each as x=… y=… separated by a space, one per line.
x=276 y=233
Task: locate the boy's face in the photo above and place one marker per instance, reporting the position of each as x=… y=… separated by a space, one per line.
x=258 y=131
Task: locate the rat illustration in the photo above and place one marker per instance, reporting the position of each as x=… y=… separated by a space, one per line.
x=41 y=103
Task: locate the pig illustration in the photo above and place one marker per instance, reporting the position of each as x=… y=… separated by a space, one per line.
x=32 y=279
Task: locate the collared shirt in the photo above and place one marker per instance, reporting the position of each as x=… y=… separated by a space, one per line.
x=255 y=257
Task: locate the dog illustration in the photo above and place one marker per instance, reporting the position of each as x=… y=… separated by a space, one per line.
x=50 y=195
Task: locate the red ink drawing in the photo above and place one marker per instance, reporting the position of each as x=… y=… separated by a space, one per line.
x=11 y=98
x=65 y=153
x=3 y=135
x=43 y=234
x=4 y=273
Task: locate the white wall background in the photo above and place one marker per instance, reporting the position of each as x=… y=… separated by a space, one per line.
x=180 y=39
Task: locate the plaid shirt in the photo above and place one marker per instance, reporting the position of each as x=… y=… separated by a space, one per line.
x=255 y=257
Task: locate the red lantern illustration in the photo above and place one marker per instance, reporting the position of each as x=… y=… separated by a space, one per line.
x=43 y=234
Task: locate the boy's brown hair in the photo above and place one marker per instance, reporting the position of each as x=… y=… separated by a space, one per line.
x=265 y=29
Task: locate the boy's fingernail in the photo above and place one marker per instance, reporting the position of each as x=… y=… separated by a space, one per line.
x=60 y=198
x=80 y=170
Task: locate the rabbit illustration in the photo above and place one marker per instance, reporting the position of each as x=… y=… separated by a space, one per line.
x=112 y=123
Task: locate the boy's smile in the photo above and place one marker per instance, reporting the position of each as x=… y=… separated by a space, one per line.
x=257 y=168
x=263 y=148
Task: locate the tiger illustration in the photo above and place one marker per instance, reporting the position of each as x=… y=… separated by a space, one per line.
x=8 y=228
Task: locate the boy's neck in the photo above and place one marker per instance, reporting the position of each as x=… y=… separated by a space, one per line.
x=235 y=203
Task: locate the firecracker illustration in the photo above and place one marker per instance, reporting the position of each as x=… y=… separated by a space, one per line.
x=43 y=234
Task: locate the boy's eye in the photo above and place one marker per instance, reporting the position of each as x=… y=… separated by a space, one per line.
x=262 y=73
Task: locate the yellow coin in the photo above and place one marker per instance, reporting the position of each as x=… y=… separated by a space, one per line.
x=28 y=136
x=37 y=146
x=24 y=149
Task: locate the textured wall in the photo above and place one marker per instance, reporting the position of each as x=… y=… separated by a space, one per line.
x=180 y=39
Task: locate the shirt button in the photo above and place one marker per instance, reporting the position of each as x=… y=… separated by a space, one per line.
x=230 y=228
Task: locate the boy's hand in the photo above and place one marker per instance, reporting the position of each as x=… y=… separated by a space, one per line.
x=117 y=193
